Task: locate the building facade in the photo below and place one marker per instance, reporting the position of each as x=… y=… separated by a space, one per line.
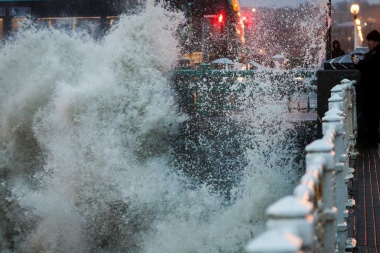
x=212 y=25
x=69 y=13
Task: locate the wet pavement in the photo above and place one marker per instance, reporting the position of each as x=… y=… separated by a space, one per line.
x=364 y=223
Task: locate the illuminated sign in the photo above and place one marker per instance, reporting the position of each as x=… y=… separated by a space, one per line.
x=19 y=11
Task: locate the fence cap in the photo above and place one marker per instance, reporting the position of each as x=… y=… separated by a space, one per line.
x=345 y=81
x=289 y=207
x=305 y=191
x=332 y=117
x=334 y=110
x=335 y=98
x=337 y=88
x=275 y=240
x=347 y=84
x=320 y=145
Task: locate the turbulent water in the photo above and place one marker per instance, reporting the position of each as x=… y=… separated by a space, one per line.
x=89 y=160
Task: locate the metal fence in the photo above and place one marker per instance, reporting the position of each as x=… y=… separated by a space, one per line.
x=314 y=218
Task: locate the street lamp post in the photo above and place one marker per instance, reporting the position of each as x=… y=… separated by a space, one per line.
x=355 y=10
x=359 y=32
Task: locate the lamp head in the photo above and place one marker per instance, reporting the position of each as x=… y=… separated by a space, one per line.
x=354 y=9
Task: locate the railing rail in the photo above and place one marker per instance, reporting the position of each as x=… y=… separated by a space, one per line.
x=314 y=218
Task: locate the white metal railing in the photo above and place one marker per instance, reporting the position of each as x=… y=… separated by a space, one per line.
x=314 y=218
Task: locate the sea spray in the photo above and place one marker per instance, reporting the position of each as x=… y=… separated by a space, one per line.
x=88 y=134
x=78 y=118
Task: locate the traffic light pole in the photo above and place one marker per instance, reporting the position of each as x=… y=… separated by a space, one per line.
x=205 y=35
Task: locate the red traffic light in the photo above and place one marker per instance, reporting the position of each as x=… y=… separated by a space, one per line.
x=220 y=18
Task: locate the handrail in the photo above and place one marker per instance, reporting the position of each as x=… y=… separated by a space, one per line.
x=313 y=219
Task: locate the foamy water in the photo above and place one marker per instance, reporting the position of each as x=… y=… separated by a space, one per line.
x=87 y=163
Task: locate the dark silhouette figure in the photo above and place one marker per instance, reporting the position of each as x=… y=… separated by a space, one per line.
x=337 y=51
x=369 y=90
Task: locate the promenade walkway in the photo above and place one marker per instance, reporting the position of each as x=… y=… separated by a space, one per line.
x=365 y=223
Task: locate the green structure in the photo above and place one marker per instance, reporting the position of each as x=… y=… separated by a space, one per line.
x=215 y=92
x=210 y=92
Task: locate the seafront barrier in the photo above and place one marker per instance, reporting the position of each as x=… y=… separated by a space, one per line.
x=314 y=218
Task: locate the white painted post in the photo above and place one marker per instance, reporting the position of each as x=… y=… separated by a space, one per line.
x=290 y=228
x=315 y=173
x=351 y=132
x=350 y=243
x=275 y=241
x=354 y=111
x=340 y=198
x=348 y=86
x=337 y=89
x=340 y=144
x=323 y=149
x=344 y=159
x=294 y=214
x=336 y=101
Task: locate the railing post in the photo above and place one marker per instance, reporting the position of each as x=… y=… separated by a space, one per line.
x=275 y=241
x=351 y=114
x=354 y=111
x=348 y=87
x=323 y=149
x=313 y=177
x=289 y=227
x=350 y=128
x=340 y=193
